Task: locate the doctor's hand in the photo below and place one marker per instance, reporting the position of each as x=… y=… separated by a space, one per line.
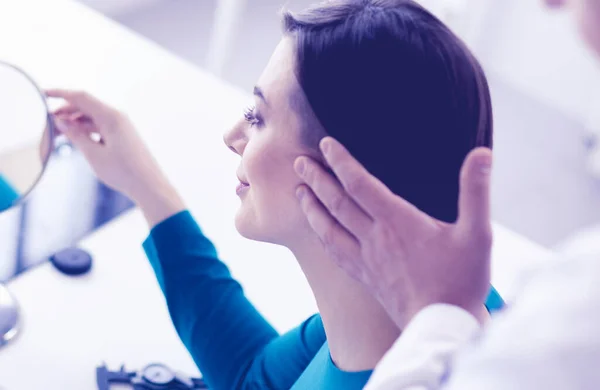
x=116 y=153
x=405 y=258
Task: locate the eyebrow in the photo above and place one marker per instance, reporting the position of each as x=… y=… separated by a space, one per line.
x=259 y=93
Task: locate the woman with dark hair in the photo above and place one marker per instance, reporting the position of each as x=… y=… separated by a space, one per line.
x=389 y=81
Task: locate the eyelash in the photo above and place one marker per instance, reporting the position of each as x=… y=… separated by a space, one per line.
x=251 y=117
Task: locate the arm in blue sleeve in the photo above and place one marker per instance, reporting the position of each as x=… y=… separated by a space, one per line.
x=215 y=321
x=232 y=344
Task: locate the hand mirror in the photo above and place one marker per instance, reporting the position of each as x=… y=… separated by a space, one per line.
x=26 y=134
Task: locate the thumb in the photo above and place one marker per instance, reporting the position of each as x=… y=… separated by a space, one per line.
x=77 y=135
x=474 y=198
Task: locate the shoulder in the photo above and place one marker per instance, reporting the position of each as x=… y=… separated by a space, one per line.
x=312 y=330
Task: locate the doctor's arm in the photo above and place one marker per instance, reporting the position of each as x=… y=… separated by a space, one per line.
x=547 y=339
x=406 y=259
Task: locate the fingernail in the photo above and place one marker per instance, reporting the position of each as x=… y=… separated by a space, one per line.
x=76 y=116
x=485 y=167
x=61 y=125
x=300 y=166
x=300 y=192
x=325 y=146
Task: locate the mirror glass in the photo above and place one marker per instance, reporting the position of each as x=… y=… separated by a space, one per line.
x=26 y=131
x=9 y=316
x=67 y=204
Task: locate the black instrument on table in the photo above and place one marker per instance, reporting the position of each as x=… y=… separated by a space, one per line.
x=152 y=377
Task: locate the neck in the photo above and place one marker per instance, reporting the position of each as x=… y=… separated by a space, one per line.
x=359 y=331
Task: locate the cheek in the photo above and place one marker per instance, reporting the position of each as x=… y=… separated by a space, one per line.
x=270 y=210
x=268 y=165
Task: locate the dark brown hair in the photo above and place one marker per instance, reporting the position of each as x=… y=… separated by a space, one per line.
x=402 y=92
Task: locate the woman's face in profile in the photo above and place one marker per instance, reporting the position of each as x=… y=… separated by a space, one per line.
x=269 y=139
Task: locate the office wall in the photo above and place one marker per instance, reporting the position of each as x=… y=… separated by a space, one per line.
x=119 y=7
x=540 y=53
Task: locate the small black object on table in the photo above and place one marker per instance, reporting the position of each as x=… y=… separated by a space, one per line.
x=72 y=261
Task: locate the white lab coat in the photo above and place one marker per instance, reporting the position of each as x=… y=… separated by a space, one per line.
x=548 y=339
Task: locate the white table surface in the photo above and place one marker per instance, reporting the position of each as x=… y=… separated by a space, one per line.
x=116 y=313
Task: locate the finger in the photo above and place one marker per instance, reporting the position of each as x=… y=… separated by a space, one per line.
x=80 y=118
x=332 y=195
x=78 y=135
x=84 y=102
x=76 y=117
x=67 y=109
x=339 y=243
x=474 y=198
x=368 y=191
x=82 y=123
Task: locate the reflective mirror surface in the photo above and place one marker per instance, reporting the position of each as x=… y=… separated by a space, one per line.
x=26 y=133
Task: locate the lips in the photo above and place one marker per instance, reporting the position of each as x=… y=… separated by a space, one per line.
x=241 y=187
x=242 y=181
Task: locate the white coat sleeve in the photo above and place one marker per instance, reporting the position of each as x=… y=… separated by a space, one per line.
x=420 y=357
x=549 y=339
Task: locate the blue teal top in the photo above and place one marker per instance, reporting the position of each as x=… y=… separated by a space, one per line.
x=232 y=344
x=8 y=194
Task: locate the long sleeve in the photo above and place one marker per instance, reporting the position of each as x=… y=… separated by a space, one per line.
x=232 y=344
x=419 y=359
x=548 y=339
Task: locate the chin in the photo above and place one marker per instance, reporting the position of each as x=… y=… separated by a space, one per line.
x=245 y=229
x=252 y=228
x=249 y=227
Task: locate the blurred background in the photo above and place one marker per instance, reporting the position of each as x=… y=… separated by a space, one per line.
x=545 y=86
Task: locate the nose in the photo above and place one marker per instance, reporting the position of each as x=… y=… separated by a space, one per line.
x=235 y=138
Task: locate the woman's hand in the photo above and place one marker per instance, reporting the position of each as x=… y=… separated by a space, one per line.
x=118 y=156
x=45 y=147
x=407 y=259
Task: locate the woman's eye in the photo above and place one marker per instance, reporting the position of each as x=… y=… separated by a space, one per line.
x=251 y=117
